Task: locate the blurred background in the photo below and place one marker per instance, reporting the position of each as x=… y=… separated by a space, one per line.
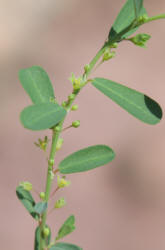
x=120 y=206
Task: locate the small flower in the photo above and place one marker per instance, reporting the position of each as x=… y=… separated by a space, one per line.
x=60 y=203
x=62 y=182
x=140 y=40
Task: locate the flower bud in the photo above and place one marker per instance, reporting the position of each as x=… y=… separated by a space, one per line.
x=108 y=55
x=42 y=195
x=86 y=68
x=57 y=128
x=60 y=203
x=46 y=232
x=76 y=124
x=114 y=45
x=140 y=40
x=74 y=107
x=71 y=97
x=26 y=185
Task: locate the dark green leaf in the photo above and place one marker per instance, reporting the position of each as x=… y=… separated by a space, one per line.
x=65 y=246
x=42 y=116
x=37 y=238
x=27 y=200
x=37 y=84
x=67 y=228
x=86 y=159
x=136 y=103
x=40 y=207
x=123 y=25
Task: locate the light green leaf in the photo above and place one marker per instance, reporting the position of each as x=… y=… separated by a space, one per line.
x=37 y=238
x=37 y=84
x=65 y=246
x=40 y=207
x=27 y=200
x=67 y=228
x=42 y=116
x=134 y=102
x=86 y=159
x=123 y=25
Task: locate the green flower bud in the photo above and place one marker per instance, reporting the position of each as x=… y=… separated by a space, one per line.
x=140 y=40
x=76 y=124
x=57 y=128
x=74 y=107
x=143 y=18
x=51 y=174
x=60 y=203
x=62 y=182
x=46 y=232
x=86 y=68
x=42 y=195
x=114 y=45
x=108 y=55
x=26 y=185
x=59 y=143
x=63 y=104
x=51 y=162
x=71 y=97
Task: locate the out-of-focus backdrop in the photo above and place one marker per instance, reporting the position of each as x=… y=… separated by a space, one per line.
x=120 y=206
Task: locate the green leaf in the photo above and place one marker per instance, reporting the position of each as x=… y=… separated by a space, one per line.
x=123 y=25
x=37 y=84
x=27 y=200
x=37 y=238
x=138 y=5
x=67 y=228
x=65 y=246
x=134 y=102
x=42 y=116
x=40 y=207
x=86 y=159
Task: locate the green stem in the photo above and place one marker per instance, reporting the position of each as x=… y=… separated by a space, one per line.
x=55 y=137
x=153 y=18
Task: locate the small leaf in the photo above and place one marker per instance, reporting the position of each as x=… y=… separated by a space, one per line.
x=37 y=84
x=67 y=228
x=65 y=246
x=40 y=207
x=27 y=200
x=134 y=102
x=37 y=238
x=86 y=159
x=42 y=116
x=123 y=25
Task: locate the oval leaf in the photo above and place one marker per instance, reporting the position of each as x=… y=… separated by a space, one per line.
x=122 y=26
x=135 y=103
x=27 y=200
x=65 y=246
x=40 y=207
x=37 y=84
x=37 y=238
x=67 y=228
x=86 y=159
x=42 y=116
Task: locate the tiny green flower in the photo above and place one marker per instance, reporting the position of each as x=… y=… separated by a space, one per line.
x=140 y=40
x=42 y=195
x=74 y=107
x=62 y=182
x=46 y=232
x=60 y=203
x=59 y=143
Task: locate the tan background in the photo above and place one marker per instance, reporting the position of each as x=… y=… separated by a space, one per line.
x=120 y=206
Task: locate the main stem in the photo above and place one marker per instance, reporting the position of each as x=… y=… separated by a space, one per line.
x=55 y=137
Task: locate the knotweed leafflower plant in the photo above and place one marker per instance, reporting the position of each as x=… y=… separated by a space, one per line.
x=46 y=112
